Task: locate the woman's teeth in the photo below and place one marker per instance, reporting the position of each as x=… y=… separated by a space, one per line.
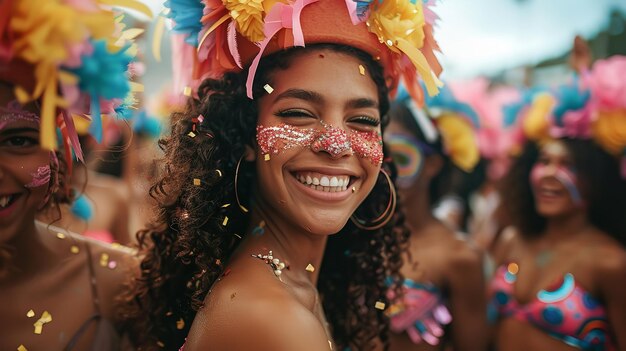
x=325 y=183
x=5 y=201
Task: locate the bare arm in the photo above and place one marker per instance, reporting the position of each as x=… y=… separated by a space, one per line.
x=468 y=302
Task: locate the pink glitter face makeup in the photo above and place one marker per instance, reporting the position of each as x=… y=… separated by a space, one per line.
x=40 y=178
x=562 y=174
x=13 y=112
x=335 y=141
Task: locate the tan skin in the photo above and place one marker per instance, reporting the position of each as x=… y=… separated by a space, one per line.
x=109 y=200
x=250 y=308
x=438 y=256
x=597 y=261
x=42 y=273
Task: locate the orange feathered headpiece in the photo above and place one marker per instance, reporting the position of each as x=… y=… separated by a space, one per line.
x=232 y=34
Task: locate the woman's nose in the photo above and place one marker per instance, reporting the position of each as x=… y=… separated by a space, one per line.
x=334 y=141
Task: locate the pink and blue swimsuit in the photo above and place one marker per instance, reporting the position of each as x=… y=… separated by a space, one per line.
x=566 y=311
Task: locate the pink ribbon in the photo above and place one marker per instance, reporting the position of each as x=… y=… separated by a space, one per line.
x=280 y=16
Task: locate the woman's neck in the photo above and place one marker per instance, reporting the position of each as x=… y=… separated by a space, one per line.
x=300 y=250
x=563 y=227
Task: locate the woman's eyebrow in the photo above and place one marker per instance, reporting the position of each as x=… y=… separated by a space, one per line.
x=300 y=94
x=11 y=131
x=362 y=103
x=315 y=97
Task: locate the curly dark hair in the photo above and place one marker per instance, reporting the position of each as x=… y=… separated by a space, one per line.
x=186 y=244
x=601 y=186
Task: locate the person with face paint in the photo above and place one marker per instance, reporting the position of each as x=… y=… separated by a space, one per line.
x=559 y=285
x=443 y=304
x=57 y=288
x=276 y=227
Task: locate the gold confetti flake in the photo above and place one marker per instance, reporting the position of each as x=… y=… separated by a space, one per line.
x=225 y=205
x=104 y=259
x=379 y=305
x=266 y=157
x=22 y=348
x=237 y=235
x=180 y=324
x=191 y=134
x=187 y=91
x=196 y=182
x=362 y=70
x=160 y=344
x=61 y=236
x=74 y=249
x=310 y=268
x=169 y=314
x=225 y=222
x=268 y=88
x=330 y=345
x=46 y=317
x=30 y=314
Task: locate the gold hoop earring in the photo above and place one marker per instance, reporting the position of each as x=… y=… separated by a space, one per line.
x=386 y=216
x=242 y=207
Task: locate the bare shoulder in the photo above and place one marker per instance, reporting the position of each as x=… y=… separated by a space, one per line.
x=112 y=264
x=253 y=310
x=610 y=258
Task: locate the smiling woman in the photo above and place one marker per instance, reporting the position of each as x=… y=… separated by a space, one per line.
x=276 y=227
x=555 y=286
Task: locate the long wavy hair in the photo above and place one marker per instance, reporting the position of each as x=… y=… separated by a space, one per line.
x=185 y=245
x=602 y=188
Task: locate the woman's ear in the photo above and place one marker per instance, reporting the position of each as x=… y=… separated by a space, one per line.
x=249 y=154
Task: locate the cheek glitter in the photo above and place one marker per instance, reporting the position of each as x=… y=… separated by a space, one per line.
x=40 y=178
x=335 y=141
x=275 y=139
x=563 y=175
x=368 y=145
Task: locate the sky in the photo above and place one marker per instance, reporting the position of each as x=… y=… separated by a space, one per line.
x=488 y=36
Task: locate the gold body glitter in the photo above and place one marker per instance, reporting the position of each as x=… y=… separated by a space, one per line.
x=30 y=314
x=310 y=268
x=268 y=88
x=74 y=249
x=379 y=305
x=362 y=70
x=60 y=235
